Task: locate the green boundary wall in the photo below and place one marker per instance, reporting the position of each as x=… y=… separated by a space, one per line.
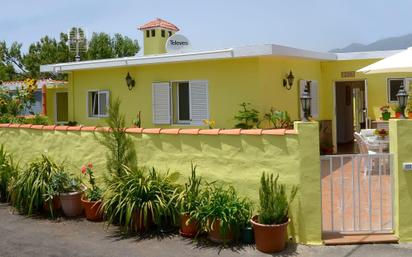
x=238 y=160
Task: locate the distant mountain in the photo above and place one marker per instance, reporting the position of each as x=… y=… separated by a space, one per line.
x=391 y=43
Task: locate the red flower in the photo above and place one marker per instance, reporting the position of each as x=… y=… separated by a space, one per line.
x=90 y=165
x=84 y=169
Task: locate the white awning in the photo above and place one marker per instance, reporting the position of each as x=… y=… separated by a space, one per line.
x=400 y=62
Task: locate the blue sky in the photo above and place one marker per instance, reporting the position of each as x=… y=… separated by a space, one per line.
x=214 y=24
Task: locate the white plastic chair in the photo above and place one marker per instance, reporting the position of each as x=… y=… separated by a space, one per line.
x=365 y=148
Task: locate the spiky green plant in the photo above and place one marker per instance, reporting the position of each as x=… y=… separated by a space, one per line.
x=274 y=202
x=30 y=187
x=7 y=170
x=222 y=204
x=153 y=195
x=190 y=198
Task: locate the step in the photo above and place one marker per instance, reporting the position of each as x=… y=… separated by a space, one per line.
x=359 y=238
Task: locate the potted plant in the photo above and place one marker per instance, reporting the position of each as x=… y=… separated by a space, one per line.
x=29 y=189
x=270 y=226
x=92 y=200
x=381 y=133
x=190 y=200
x=70 y=191
x=386 y=114
x=397 y=111
x=221 y=213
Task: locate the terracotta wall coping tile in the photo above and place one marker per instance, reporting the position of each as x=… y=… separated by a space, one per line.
x=151 y=130
x=37 y=126
x=291 y=132
x=256 y=132
x=134 y=130
x=230 y=132
x=172 y=131
x=26 y=126
x=88 y=128
x=209 y=132
x=166 y=131
x=51 y=127
x=74 y=128
x=278 y=132
x=61 y=128
x=189 y=131
x=102 y=129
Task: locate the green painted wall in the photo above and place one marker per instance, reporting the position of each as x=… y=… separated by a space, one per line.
x=401 y=148
x=235 y=159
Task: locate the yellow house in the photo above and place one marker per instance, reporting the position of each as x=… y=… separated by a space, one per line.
x=179 y=87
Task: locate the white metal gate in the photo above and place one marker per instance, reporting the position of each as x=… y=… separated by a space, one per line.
x=357 y=193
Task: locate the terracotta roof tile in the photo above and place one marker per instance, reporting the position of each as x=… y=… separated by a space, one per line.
x=159 y=23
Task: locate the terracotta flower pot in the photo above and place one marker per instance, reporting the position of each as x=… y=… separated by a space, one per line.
x=92 y=209
x=188 y=229
x=397 y=115
x=270 y=238
x=215 y=234
x=138 y=223
x=55 y=204
x=410 y=115
x=71 y=203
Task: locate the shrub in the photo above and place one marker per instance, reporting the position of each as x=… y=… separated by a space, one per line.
x=278 y=119
x=7 y=171
x=248 y=118
x=274 y=203
x=155 y=196
x=223 y=204
x=30 y=187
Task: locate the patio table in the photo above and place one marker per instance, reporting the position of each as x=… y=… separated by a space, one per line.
x=382 y=144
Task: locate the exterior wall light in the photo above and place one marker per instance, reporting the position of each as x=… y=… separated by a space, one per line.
x=288 y=81
x=305 y=101
x=130 y=81
x=402 y=100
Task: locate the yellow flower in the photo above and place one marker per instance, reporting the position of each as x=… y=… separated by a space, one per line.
x=210 y=123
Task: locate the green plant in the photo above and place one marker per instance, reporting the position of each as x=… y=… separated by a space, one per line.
x=37 y=120
x=190 y=198
x=137 y=122
x=30 y=187
x=154 y=196
x=94 y=193
x=274 y=203
x=63 y=182
x=247 y=118
x=278 y=119
x=222 y=204
x=121 y=151
x=7 y=171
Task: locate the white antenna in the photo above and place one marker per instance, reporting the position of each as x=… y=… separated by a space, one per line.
x=77 y=42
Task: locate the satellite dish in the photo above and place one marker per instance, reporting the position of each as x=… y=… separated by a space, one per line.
x=77 y=42
x=177 y=44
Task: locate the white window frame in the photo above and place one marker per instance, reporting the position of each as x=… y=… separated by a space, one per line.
x=178 y=120
x=107 y=93
x=388 y=90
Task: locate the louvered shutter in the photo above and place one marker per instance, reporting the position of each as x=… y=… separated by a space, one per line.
x=199 y=102
x=161 y=103
x=302 y=85
x=314 y=93
x=408 y=84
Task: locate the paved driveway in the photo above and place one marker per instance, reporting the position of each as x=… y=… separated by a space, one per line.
x=21 y=236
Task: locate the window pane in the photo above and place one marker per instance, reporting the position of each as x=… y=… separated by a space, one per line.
x=184 y=109
x=394 y=85
x=147 y=33
x=153 y=32
x=163 y=33
x=102 y=103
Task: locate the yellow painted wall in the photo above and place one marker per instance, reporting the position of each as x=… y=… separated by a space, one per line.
x=231 y=82
x=377 y=85
x=237 y=160
x=155 y=45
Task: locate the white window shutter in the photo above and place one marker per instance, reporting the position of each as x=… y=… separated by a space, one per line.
x=199 y=102
x=161 y=103
x=302 y=86
x=314 y=93
x=408 y=84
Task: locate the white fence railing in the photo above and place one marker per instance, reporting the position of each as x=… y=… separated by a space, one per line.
x=357 y=193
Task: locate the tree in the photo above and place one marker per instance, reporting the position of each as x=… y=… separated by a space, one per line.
x=9 y=59
x=102 y=46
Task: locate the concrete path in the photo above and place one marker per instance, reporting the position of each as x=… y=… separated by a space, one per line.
x=21 y=236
